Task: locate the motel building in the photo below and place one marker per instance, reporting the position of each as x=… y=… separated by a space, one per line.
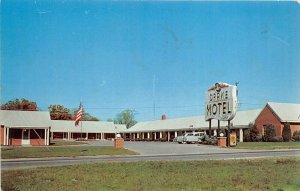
x=168 y=129
x=25 y=127
x=277 y=114
x=86 y=130
x=36 y=127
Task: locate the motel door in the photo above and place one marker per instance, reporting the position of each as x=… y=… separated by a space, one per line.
x=25 y=137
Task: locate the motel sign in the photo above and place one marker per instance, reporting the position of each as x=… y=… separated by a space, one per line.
x=221 y=102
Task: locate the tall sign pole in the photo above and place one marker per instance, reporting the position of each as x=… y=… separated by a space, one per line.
x=153 y=94
x=221 y=104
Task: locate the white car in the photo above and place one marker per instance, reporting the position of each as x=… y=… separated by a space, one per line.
x=189 y=137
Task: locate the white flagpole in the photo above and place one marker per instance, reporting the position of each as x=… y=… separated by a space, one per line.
x=81 y=130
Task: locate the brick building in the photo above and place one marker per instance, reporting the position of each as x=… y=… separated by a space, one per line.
x=24 y=127
x=277 y=114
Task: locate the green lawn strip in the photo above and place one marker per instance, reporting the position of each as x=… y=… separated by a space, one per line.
x=268 y=145
x=256 y=174
x=63 y=151
x=64 y=142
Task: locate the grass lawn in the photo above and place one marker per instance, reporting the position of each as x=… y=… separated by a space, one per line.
x=255 y=174
x=63 y=151
x=64 y=142
x=268 y=145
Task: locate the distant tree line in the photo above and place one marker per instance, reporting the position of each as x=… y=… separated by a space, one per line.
x=22 y=104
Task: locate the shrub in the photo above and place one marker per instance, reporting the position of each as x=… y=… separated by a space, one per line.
x=247 y=135
x=203 y=138
x=209 y=141
x=270 y=132
x=164 y=139
x=258 y=138
x=296 y=133
x=253 y=132
x=212 y=141
x=286 y=132
x=277 y=139
x=296 y=138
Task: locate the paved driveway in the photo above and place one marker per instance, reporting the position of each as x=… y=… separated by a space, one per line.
x=165 y=148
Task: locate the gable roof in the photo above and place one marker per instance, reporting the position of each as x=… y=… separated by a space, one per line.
x=287 y=112
x=241 y=120
x=87 y=126
x=120 y=128
x=32 y=119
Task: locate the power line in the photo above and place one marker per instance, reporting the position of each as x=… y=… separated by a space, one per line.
x=158 y=107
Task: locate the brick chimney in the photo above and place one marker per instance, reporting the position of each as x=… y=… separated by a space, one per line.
x=163 y=117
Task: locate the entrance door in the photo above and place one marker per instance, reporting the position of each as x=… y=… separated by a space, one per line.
x=25 y=137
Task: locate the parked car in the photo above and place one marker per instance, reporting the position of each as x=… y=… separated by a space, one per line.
x=189 y=137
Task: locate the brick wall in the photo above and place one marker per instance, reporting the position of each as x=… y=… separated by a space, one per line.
x=37 y=142
x=267 y=116
x=13 y=141
x=119 y=143
x=2 y=135
x=294 y=127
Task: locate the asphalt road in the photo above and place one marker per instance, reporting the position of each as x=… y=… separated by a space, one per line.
x=48 y=162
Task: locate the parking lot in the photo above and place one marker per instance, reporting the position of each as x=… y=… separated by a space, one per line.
x=167 y=148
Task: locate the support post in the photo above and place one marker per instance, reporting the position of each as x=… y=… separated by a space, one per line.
x=241 y=135
x=215 y=133
x=48 y=136
x=4 y=136
x=228 y=134
x=218 y=132
x=45 y=137
x=209 y=129
x=7 y=136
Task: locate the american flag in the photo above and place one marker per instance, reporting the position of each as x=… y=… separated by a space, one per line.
x=78 y=115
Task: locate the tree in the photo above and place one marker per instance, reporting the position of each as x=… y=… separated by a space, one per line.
x=270 y=132
x=16 y=104
x=86 y=116
x=247 y=135
x=126 y=117
x=286 y=132
x=253 y=132
x=59 y=112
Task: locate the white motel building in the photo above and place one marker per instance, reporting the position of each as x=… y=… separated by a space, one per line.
x=36 y=127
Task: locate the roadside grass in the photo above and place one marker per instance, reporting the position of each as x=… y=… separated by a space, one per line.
x=63 y=151
x=65 y=142
x=268 y=145
x=255 y=174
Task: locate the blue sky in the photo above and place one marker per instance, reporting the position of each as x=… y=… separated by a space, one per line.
x=108 y=54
